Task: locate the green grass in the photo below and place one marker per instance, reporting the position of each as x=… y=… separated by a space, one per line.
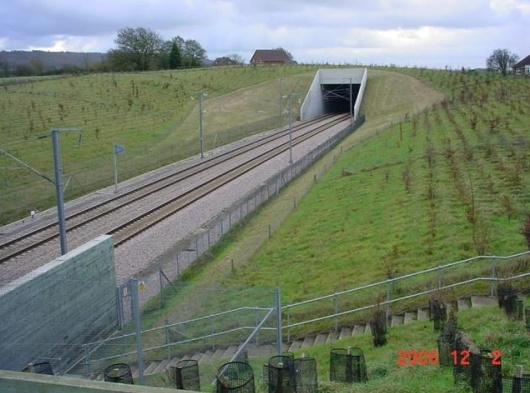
x=390 y=200
x=381 y=215
x=152 y=114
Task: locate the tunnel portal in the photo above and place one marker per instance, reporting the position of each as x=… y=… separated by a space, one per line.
x=335 y=91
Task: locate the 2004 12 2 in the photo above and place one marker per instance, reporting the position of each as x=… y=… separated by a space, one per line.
x=430 y=357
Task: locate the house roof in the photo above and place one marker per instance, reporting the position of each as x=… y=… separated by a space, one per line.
x=272 y=55
x=522 y=63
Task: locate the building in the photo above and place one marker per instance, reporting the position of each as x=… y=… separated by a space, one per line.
x=270 y=57
x=522 y=67
x=224 y=61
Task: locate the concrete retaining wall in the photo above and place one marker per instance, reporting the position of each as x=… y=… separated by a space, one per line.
x=48 y=314
x=13 y=382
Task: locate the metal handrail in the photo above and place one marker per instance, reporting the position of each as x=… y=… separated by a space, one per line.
x=388 y=282
x=349 y=312
x=395 y=279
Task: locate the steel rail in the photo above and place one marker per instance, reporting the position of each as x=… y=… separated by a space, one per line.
x=48 y=232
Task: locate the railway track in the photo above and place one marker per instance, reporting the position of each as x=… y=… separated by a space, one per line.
x=159 y=195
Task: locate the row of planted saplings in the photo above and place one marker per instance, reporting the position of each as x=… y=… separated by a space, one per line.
x=286 y=374
x=282 y=374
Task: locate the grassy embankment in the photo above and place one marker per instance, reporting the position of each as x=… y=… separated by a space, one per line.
x=152 y=114
x=448 y=184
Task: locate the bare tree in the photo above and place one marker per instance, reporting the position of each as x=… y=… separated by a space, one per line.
x=236 y=58
x=501 y=61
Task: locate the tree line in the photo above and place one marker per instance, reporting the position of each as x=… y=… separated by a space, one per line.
x=137 y=49
x=142 y=49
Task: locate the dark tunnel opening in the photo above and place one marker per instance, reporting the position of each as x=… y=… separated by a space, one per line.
x=336 y=98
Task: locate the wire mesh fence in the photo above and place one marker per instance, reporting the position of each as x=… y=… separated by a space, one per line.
x=185 y=375
x=235 y=377
x=516 y=384
x=281 y=374
x=347 y=365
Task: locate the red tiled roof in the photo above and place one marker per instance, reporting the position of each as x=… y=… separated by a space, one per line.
x=271 y=55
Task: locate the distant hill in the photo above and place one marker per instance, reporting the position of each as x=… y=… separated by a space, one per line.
x=38 y=62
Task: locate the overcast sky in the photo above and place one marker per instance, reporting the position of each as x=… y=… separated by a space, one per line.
x=431 y=33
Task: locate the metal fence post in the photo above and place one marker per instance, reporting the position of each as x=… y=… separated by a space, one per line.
x=494 y=277
x=161 y=288
x=256 y=323
x=336 y=310
x=135 y=305
x=288 y=323
x=87 y=359
x=119 y=308
x=439 y=277
x=388 y=296
x=166 y=331
x=279 y=320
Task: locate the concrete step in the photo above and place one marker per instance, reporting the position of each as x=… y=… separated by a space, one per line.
x=174 y=361
x=410 y=317
x=358 y=329
x=345 y=332
x=262 y=350
x=295 y=345
x=218 y=354
x=309 y=341
x=162 y=367
x=423 y=314
x=206 y=356
x=332 y=337
x=230 y=352
x=464 y=303
x=396 y=320
x=134 y=371
x=483 y=301
x=321 y=339
x=151 y=367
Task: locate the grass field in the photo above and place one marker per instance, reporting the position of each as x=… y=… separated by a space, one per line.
x=153 y=115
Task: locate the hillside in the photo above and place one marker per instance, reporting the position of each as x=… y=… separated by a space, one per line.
x=44 y=61
x=153 y=114
x=396 y=197
x=449 y=183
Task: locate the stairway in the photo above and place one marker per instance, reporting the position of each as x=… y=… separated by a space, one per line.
x=156 y=367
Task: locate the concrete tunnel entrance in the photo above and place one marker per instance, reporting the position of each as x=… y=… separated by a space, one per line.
x=340 y=98
x=335 y=91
